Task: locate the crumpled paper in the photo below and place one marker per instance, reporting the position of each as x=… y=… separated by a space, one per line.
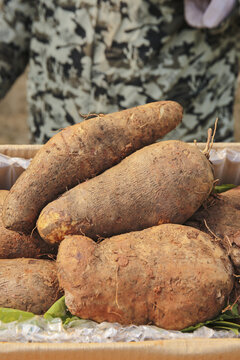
x=226 y=164
x=37 y=329
x=10 y=170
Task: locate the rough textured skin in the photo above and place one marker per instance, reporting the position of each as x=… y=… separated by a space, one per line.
x=235 y=296
x=14 y=245
x=82 y=151
x=3 y=195
x=170 y=275
x=163 y=183
x=28 y=284
x=221 y=217
x=235 y=257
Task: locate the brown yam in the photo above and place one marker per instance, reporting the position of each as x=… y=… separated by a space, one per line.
x=13 y=245
x=170 y=275
x=28 y=284
x=82 y=151
x=162 y=183
x=3 y=195
x=220 y=217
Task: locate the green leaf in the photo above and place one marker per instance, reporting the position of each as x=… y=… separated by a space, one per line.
x=220 y=320
x=58 y=310
x=222 y=188
x=227 y=323
x=71 y=319
x=9 y=315
x=236 y=332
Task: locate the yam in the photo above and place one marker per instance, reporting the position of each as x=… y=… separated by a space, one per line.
x=28 y=284
x=220 y=218
x=220 y=215
x=170 y=275
x=14 y=245
x=82 y=151
x=164 y=182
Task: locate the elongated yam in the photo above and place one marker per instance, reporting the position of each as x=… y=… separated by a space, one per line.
x=28 y=284
x=170 y=275
x=162 y=183
x=82 y=151
x=14 y=245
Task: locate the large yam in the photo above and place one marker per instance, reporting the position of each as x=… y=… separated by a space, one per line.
x=162 y=183
x=15 y=245
x=28 y=284
x=82 y=151
x=170 y=275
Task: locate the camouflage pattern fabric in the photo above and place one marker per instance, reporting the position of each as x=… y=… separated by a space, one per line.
x=101 y=56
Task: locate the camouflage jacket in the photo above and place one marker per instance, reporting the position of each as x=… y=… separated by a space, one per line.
x=100 y=56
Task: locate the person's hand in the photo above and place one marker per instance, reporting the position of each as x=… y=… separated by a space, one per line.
x=207 y=13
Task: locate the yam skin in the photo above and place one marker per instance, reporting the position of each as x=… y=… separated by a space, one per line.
x=82 y=151
x=169 y=275
x=162 y=183
x=13 y=245
x=28 y=284
x=221 y=214
x=235 y=296
x=220 y=218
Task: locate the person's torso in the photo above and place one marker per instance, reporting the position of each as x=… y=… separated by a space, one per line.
x=101 y=56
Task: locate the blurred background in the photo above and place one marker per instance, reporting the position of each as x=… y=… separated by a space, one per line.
x=13 y=114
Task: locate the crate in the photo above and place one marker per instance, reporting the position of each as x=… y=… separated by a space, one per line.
x=178 y=349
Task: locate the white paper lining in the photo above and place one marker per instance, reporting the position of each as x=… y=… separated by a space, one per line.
x=10 y=170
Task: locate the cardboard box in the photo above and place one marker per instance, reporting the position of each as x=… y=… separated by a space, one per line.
x=191 y=349
x=180 y=349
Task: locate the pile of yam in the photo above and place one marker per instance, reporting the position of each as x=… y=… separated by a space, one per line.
x=124 y=224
